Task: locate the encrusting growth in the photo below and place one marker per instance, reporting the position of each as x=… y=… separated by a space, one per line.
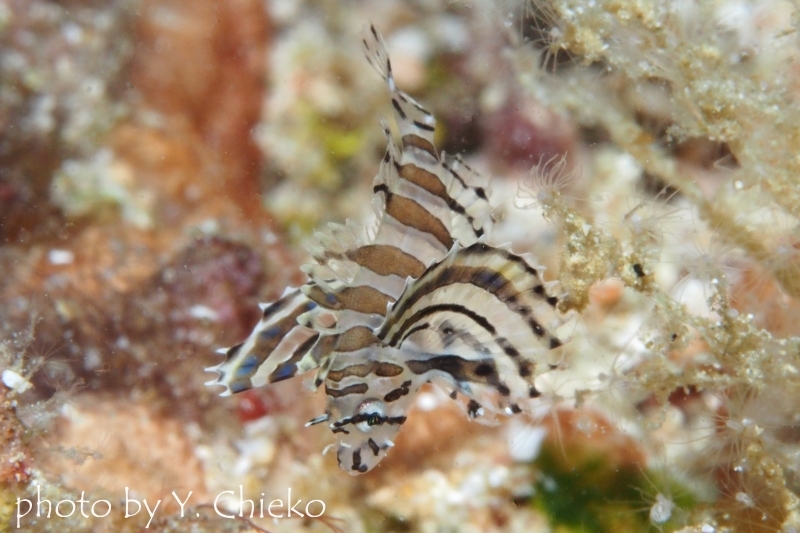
x=722 y=85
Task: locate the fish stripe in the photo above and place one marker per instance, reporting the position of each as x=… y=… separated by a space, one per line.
x=474 y=409
x=461 y=370
x=379 y=368
x=480 y=204
x=408 y=100
x=317 y=295
x=288 y=368
x=384 y=260
x=322 y=354
x=275 y=307
x=457 y=176
x=358 y=388
x=355 y=339
x=399 y=109
x=233 y=351
x=485 y=278
x=431 y=310
x=364 y=417
x=357 y=462
x=413 y=330
x=383 y=369
x=362 y=299
x=431 y=183
x=425 y=180
x=410 y=213
x=411 y=140
x=374 y=447
x=484 y=249
x=398 y=393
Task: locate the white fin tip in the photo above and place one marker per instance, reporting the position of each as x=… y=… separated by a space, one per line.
x=288 y=290
x=318 y=420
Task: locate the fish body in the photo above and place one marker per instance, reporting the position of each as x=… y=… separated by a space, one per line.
x=418 y=297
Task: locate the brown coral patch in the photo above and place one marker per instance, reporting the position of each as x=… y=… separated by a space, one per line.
x=757 y=292
x=749 y=502
x=606 y=293
x=15 y=458
x=584 y=433
x=104 y=444
x=202 y=64
x=151 y=334
x=134 y=307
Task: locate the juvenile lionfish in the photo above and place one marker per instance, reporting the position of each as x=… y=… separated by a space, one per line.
x=419 y=297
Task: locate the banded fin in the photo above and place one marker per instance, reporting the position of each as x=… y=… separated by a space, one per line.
x=480 y=321
x=450 y=180
x=471 y=192
x=409 y=218
x=416 y=124
x=347 y=253
x=271 y=351
x=330 y=252
x=447 y=189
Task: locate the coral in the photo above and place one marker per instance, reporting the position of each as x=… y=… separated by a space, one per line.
x=734 y=348
x=16 y=458
x=62 y=70
x=110 y=444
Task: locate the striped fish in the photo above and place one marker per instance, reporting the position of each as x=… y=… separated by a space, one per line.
x=418 y=297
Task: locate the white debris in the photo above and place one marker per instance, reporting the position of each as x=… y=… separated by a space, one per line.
x=661 y=511
x=427 y=401
x=15 y=381
x=92 y=360
x=202 y=312
x=524 y=440
x=60 y=257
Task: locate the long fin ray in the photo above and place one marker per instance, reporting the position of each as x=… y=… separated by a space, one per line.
x=481 y=320
x=274 y=340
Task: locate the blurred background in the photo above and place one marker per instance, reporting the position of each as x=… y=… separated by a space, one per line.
x=163 y=162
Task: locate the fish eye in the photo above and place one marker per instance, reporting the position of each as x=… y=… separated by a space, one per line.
x=371 y=413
